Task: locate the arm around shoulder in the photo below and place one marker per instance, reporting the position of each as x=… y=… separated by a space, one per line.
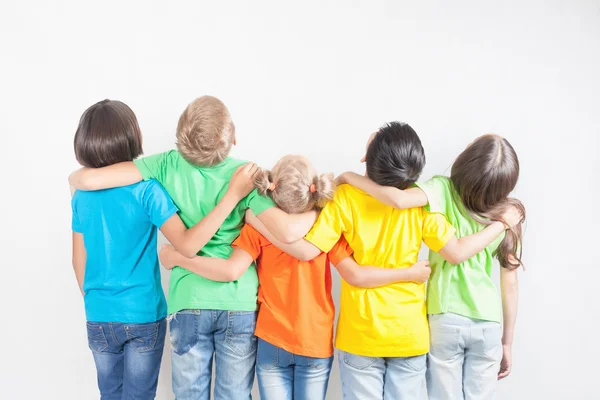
x=116 y=175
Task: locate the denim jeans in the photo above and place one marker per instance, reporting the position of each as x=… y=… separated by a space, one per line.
x=197 y=335
x=388 y=378
x=464 y=358
x=127 y=358
x=285 y=376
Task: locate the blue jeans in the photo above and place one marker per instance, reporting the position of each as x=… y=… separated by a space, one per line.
x=127 y=358
x=285 y=376
x=464 y=358
x=388 y=378
x=197 y=335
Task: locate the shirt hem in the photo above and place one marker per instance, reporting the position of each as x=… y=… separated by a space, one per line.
x=213 y=306
x=471 y=315
x=120 y=318
x=383 y=352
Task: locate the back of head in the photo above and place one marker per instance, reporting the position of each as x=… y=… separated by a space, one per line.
x=205 y=132
x=294 y=185
x=108 y=133
x=483 y=176
x=395 y=156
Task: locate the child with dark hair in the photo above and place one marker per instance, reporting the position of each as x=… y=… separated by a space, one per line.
x=382 y=333
x=115 y=258
x=469 y=351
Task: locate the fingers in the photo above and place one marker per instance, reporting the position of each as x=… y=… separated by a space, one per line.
x=504 y=372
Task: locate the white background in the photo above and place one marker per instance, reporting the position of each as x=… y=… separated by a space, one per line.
x=314 y=78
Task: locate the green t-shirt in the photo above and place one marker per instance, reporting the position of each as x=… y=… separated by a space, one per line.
x=466 y=289
x=196 y=191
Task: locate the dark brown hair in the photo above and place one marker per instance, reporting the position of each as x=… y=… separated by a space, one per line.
x=108 y=133
x=483 y=175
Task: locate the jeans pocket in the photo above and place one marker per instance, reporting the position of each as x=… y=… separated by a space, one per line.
x=240 y=332
x=96 y=338
x=267 y=355
x=320 y=363
x=416 y=363
x=358 y=362
x=142 y=337
x=445 y=342
x=184 y=331
x=492 y=341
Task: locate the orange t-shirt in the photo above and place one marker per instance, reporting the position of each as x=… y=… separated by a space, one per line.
x=296 y=310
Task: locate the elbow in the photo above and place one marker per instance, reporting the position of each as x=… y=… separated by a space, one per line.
x=187 y=252
x=305 y=257
x=454 y=259
x=234 y=274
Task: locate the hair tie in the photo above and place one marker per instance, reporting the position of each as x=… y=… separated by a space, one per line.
x=271 y=186
x=312 y=188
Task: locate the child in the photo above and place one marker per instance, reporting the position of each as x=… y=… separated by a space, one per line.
x=296 y=310
x=467 y=344
x=114 y=254
x=208 y=318
x=382 y=332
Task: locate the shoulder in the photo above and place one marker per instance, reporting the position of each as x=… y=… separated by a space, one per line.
x=346 y=191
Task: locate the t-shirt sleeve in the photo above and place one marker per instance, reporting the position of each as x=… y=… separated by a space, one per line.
x=330 y=225
x=258 y=203
x=437 y=231
x=250 y=240
x=339 y=251
x=158 y=203
x=75 y=223
x=438 y=192
x=154 y=166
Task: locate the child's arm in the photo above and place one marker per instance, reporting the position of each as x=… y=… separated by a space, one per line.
x=116 y=175
x=390 y=196
x=510 y=300
x=189 y=241
x=301 y=249
x=215 y=269
x=371 y=277
x=457 y=251
x=79 y=258
x=287 y=228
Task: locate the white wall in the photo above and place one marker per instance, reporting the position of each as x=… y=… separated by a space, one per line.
x=313 y=78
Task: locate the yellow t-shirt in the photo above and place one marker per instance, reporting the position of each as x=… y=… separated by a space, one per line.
x=388 y=321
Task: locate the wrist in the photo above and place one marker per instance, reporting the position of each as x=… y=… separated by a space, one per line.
x=232 y=197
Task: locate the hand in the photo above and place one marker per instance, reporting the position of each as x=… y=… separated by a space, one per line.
x=420 y=271
x=512 y=217
x=506 y=363
x=168 y=256
x=242 y=181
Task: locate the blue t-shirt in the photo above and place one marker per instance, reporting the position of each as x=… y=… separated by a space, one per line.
x=122 y=273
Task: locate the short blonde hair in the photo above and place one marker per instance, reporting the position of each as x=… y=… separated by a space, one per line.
x=295 y=186
x=205 y=132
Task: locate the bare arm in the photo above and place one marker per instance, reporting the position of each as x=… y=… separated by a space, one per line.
x=301 y=249
x=390 y=196
x=510 y=299
x=116 y=175
x=189 y=241
x=215 y=269
x=79 y=258
x=287 y=228
x=457 y=251
x=371 y=277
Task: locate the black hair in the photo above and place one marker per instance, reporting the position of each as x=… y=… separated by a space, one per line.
x=395 y=156
x=108 y=133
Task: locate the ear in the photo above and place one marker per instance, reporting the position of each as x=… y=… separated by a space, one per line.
x=364 y=159
x=234 y=141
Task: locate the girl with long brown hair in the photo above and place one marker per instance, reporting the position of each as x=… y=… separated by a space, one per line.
x=469 y=351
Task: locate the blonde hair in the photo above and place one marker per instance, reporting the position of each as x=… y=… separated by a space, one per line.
x=294 y=185
x=205 y=132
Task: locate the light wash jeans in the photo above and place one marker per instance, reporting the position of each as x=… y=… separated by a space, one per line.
x=464 y=358
x=285 y=376
x=127 y=358
x=198 y=334
x=388 y=378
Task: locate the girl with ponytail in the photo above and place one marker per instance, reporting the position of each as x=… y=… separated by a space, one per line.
x=296 y=309
x=469 y=351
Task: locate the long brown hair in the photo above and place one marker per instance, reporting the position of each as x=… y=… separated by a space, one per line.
x=295 y=186
x=483 y=175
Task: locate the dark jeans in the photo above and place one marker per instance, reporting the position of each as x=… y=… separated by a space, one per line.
x=127 y=358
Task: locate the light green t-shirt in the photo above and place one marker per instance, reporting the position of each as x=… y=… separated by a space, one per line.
x=466 y=289
x=196 y=191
